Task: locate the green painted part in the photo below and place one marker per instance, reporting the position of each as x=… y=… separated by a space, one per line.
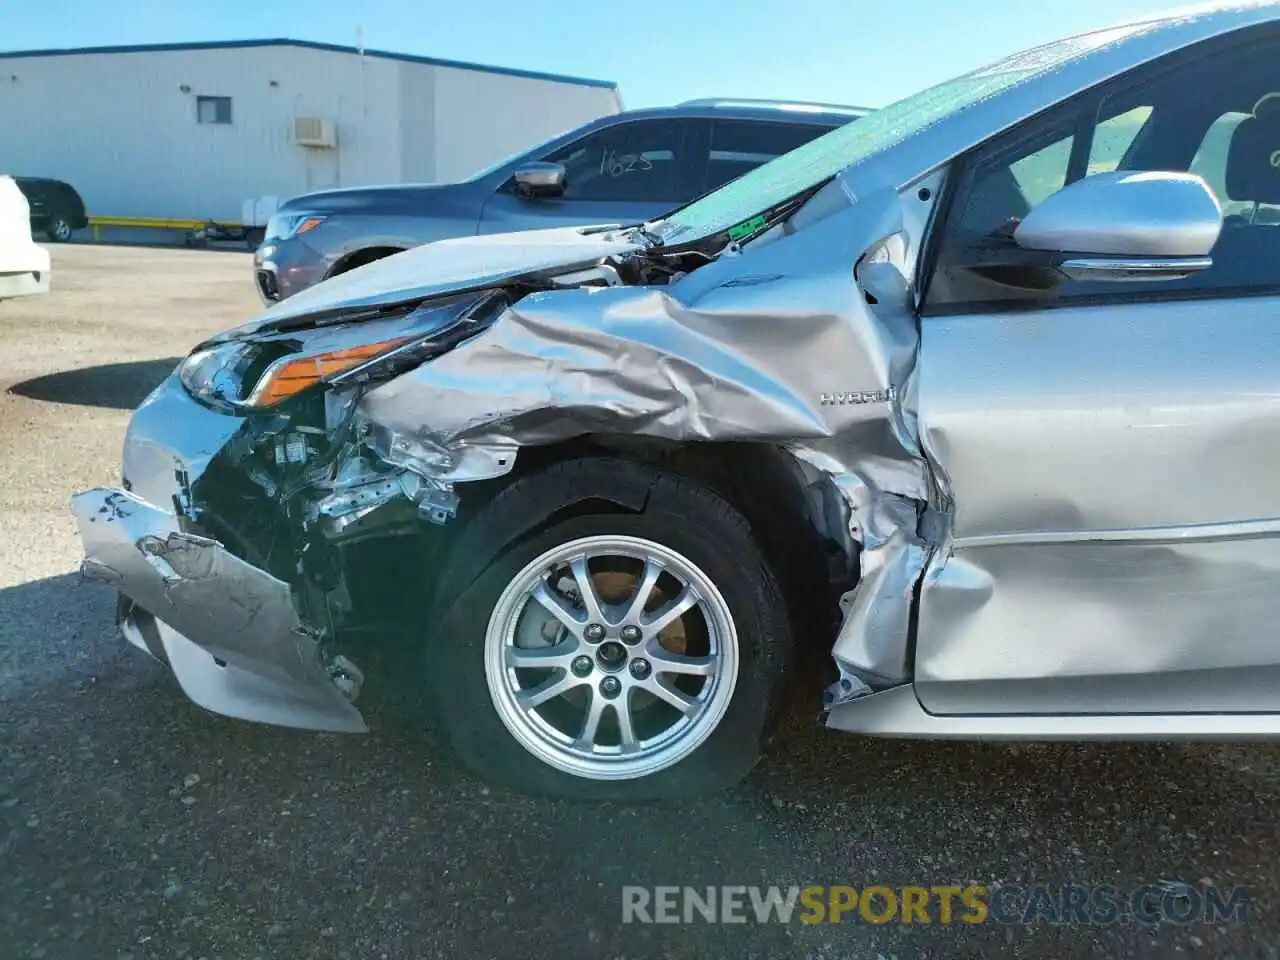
x=746 y=228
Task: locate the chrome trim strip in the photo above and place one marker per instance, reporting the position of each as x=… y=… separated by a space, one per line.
x=1121 y=269
x=1234 y=530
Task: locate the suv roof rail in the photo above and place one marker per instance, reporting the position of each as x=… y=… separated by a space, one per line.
x=799 y=106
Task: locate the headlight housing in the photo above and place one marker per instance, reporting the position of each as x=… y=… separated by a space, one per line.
x=217 y=372
x=291 y=375
x=285 y=226
x=260 y=372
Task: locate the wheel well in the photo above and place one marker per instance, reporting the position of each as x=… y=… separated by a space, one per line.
x=361 y=257
x=762 y=481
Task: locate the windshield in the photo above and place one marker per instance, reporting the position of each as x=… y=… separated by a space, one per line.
x=820 y=159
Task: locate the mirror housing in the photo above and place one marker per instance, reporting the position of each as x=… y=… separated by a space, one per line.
x=540 y=180
x=1126 y=225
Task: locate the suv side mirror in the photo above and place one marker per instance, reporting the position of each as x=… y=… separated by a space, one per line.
x=540 y=180
x=1126 y=225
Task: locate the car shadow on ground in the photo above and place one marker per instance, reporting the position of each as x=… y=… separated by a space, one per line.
x=118 y=386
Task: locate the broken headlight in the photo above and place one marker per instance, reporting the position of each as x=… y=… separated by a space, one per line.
x=293 y=374
x=261 y=371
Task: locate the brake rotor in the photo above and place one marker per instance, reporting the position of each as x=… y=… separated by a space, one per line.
x=618 y=587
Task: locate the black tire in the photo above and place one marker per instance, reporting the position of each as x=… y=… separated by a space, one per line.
x=58 y=229
x=254 y=236
x=592 y=497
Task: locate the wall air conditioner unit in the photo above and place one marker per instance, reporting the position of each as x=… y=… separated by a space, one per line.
x=314 y=132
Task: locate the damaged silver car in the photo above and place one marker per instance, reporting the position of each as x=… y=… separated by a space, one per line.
x=977 y=400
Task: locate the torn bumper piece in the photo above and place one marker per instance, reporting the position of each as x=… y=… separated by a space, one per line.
x=228 y=630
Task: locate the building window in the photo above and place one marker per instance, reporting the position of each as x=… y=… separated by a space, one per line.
x=213 y=109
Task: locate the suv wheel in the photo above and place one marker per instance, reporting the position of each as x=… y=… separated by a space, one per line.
x=58 y=229
x=610 y=654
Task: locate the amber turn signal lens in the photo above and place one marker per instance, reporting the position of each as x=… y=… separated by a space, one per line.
x=294 y=376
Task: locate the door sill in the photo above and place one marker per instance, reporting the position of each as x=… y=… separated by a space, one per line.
x=897 y=712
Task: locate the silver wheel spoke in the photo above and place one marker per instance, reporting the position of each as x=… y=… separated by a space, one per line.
x=669 y=611
x=681 y=701
x=535 y=697
x=561 y=714
x=542 y=658
x=555 y=606
x=626 y=729
x=591 y=722
x=648 y=580
x=587 y=590
x=666 y=662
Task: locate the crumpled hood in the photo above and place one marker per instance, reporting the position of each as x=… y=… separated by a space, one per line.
x=808 y=343
x=450 y=266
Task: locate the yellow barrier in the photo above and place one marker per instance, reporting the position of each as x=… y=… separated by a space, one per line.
x=154 y=223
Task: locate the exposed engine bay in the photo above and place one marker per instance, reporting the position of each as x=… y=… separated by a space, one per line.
x=363 y=432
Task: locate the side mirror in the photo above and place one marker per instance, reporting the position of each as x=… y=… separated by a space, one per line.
x=540 y=180
x=1126 y=225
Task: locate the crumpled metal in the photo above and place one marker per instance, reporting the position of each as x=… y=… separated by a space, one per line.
x=782 y=347
x=727 y=353
x=230 y=630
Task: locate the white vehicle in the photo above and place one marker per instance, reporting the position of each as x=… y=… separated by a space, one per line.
x=24 y=266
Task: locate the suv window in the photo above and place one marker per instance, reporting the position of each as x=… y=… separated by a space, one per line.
x=1218 y=116
x=639 y=161
x=741 y=145
x=33 y=189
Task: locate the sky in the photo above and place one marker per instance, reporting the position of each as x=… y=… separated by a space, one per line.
x=836 y=51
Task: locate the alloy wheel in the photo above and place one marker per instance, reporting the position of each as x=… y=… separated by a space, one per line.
x=611 y=657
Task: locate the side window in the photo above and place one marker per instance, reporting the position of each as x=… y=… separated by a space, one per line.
x=1216 y=163
x=1210 y=160
x=1006 y=188
x=213 y=109
x=638 y=161
x=34 y=193
x=1113 y=137
x=1217 y=116
x=741 y=145
x=1044 y=172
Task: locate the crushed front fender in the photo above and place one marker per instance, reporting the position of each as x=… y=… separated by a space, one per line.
x=809 y=342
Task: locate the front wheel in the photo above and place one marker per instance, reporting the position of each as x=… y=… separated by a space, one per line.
x=612 y=653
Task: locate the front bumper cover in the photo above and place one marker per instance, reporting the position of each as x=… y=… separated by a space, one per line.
x=282 y=268
x=229 y=631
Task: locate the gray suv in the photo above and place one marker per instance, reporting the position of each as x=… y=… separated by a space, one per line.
x=619 y=169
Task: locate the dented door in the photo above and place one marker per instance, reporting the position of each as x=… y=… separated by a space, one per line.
x=1113 y=463
x=1115 y=473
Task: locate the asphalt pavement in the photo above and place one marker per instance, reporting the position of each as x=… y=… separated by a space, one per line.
x=135 y=825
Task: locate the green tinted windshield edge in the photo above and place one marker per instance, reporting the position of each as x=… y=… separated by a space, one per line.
x=738 y=203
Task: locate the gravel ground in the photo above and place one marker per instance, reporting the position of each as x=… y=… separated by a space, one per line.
x=135 y=825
